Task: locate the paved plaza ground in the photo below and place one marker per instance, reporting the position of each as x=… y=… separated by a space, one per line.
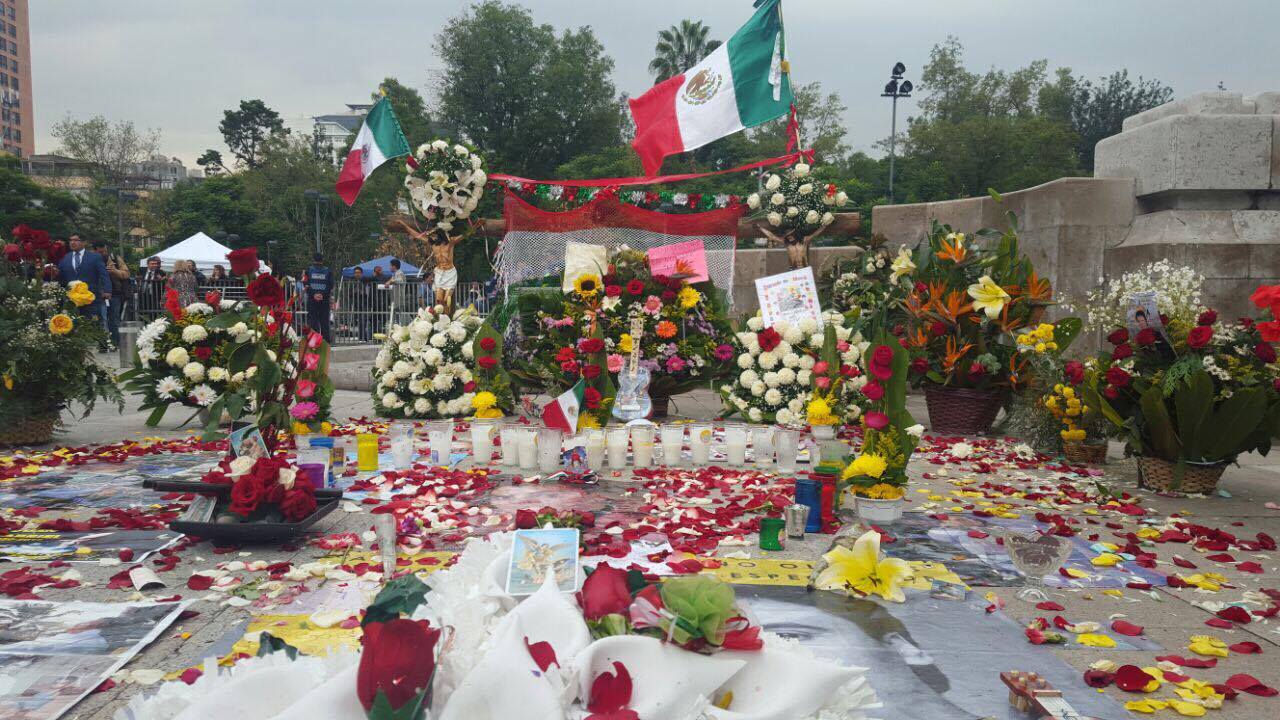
x=1170 y=616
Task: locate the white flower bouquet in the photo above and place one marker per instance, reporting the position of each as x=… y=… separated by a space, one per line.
x=796 y=203
x=424 y=368
x=446 y=183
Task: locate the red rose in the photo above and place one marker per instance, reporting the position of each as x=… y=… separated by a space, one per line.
x=569 y=366
x=12 y=252
x=938 y=328
x=850 y=371
x=876 y=420
x=204 y=353
x=769 y=339
x=1208 y=317
x=265 y=291
x=246 y=494
x=1122 y=351
x=1118 y=377
x=881 y=364
x=590 y=345
x=668 y=296
x=57 y=251
x=1199 y=336
x=526 y=520
x=590 y=371
x=244 y=261
x=298 y=502
x=604 y=592
x=976 y=370
x=488 y=344
x=613 y=290
x=1119 y=336
x=1266 y=296
x=592 y=397
x=398 y=662
x=213 y=297
x=1265 y=352
x=1146 y=336
x=873 y=391
x=565 y=354
x=470 y=386
x=487 y=362
x=1111 y=392
x=1074 y=372
x=921 y=287
x=919 y=366
x=1269 y=331
x=635 y=287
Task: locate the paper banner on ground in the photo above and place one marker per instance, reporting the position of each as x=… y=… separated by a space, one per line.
x=52 y=654
x=43 y=545
x=789 y=297
x=583 y=259
x=683 y=258
x=300 y=631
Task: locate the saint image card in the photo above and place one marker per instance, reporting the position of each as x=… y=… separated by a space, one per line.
x=247 y=441
x=789 y=297
x=535 y=553
x=684 y=259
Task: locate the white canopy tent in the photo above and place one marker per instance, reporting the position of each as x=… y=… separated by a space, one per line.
x=200 y=248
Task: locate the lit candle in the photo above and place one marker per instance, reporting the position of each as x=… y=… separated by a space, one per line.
x=595 y=449
x=735 y=444
x=786 y=441
x=642 y=445
x=482 y=441
x=510 y=435
x=617 y=442
x=762 y=443
x=550 y=443
x=528 y=450
x=700 y=444
x=672 y=444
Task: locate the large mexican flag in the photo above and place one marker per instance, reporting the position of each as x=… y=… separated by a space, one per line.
x=380 y=139
x=740 y=84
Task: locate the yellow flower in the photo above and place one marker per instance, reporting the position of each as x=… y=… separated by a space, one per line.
x=881 y=491
x=902 y=264
x=988 y=296
x=8 y=382
x=863 y=571
x=689 y=297
x=61 y=323
x=819 y=412
x=624 y=343
x=300 y=428
x=587 y=421
x=587 y=285
x=79 y=293
x=484 y=400
x=868 y=464
x=326 y=427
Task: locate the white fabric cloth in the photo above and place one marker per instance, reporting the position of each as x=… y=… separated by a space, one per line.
x=445 y=279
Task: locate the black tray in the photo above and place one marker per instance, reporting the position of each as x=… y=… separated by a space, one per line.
x=242 y=533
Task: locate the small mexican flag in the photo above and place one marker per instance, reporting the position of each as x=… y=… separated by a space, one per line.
x=740 y=84
x=562 y=413
x=380 y=139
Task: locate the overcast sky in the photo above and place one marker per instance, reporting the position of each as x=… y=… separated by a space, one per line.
x=175 y=65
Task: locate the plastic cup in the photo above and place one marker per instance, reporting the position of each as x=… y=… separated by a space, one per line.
x=440 y=435
x=367 y=452
x=762 y=443
x=735 y=445
x=700 y=444
x=616 y=440
x=786 y=442
x=642 y=445
x=672 y=437
x=402 y=452
x=550 y=443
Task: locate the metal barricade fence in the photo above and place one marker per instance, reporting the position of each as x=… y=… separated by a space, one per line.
x=359 y=309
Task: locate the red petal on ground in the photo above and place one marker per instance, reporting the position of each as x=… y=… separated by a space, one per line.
x=1199 y=663
x=1250 y=567
x=1126 y=628
x=1132 y=678
x=199 y=583
x=1251 y=685
x=1219 y=623
x=1246 y=648
x=1049 y=606
x=1235 y=614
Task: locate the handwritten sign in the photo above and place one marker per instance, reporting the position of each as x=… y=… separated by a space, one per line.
x=683 y=258
x=789 y=297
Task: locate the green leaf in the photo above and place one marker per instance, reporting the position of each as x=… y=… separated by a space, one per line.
x=400 y=596
x=1235 y=420
x=1065 y=332
x=1159 y=425
x=268 y=644
x=157 y=415
x=1194 y=406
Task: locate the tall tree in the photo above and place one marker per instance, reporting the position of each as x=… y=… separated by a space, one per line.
x=114 y=148
x=247 y=129
x=822 y=126
x=679 y=48
x=1097 y=110
x=416 y=122
x=24 y=202
x=529 y=99
x=211 y=161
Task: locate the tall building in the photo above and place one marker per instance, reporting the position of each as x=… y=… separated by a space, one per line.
x=17 y=119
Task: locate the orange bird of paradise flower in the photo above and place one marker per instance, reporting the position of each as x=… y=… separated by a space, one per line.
x=919 y=340
x=1037 y=289
x=953 y=354
x=1016 y=368
x=953 y=307
x=953 y=251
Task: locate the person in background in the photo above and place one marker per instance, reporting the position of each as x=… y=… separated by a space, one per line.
x=151 y=289
x=183 y=280
x=121 y=290
x=379 y=296
x=404 y=304
x=317 y=283
x=361 y=304
x=218 y=278
x=201 y=280
x=86 y=266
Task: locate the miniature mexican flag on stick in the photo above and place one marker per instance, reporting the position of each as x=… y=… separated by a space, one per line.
x=562 y=413
x=380 y=139
x=740 y=84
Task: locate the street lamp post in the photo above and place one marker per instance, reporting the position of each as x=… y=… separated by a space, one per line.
x=895 y=88
x=320 y=199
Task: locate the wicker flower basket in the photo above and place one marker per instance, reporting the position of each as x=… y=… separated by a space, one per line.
x=36 y=430
x=961 y=411
x=1085 y=453
x=1156 y=474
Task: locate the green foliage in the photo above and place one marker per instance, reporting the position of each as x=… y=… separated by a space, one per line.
x=268 y=644
x=247 y=130
x=400 y=596
x=22 y=202
x=111 y=148
x=679 y=48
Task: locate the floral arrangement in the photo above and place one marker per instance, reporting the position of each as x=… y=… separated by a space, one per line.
x=424 y=367
x=228 y=358
x=445 y=182
x=1201 y=392
x=494 y=392
x=265 y=489
x=795 y=203
x=46 y=348
x=1178 y=289
x=563 y=197
x=968 y=301
x=684 y=342
x=1053 y=413
x=890 y=434
x=35 y=251
x=313 y=392
x=546 y=515
x=782 y=376
x=696 y=612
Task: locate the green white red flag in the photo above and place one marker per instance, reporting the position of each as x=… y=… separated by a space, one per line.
x=740 y=84
x=562 y=413
x=379 y=140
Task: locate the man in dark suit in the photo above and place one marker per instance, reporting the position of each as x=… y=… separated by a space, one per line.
x=88 y=267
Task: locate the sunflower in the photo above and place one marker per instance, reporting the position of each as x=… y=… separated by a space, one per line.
x=587 y=285
x=666 y=329
x=60 y=324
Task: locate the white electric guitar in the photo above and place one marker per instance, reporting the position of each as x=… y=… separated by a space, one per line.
x=633 y=401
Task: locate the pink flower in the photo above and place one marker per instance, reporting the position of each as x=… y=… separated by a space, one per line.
x=821 y=367
x=724 y=351
x=873 y=391
x=314 y=340
x=615 y=363
x=306 y=388
x=843 y=346
x=822 y=381
x=876 y=420
x=304 y=410
x=675 y=364
x=652 y=304
x=310 y=361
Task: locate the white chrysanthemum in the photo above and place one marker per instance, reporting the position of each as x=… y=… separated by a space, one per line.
x=767 y=360
x=806 y=362
x=225 y=304
x=785 y=417
x=804 y=376
x=177 y=357
x=755 y=414
x=457 y=332
x=203 y=395
x=773 y=397
x=169 y=385
x=786 y=376
x=198 y=308
x=468 y=352
x=793 y=335
x=147 y=354
x=915 y=431
x=753 y=201
x=796 y=405
x=194 y=333
x=439 y=340
x=751 y=343
x=383 y=360
x=745 y=361
x=391 y=400
x=432 y=357
x=773 y=182
x=193 y=371
x=422 y=406
x=442 y=381
x=770 y=379
x=808 y=326
x=217 y=374
x=791 y=360
x=152 y=332
x=755 y=323
x=402 y=368
x=758 y=388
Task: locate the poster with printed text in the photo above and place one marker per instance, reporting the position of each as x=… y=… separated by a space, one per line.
x=789 y=297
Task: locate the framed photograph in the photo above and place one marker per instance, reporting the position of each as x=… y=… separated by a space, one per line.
x=247 y=441
x=535 y=553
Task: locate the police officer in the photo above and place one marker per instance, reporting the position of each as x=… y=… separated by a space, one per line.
x=318 y=284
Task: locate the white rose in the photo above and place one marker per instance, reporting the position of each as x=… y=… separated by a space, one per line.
x=461 y=151
x=287 y=477
x=812 y=216
x=793 y=211
x=777 y=199
x=828 y=218
x=841 y=198
x=241 y=465
x=805 y=189
x=774 y=219
x=772 y=183
x=194 y=333
x=439 y=145
x=755 y=414
x=753 y=201
x=800 y=170
x=193 y=371
x=177 y=357
x=915 y=431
